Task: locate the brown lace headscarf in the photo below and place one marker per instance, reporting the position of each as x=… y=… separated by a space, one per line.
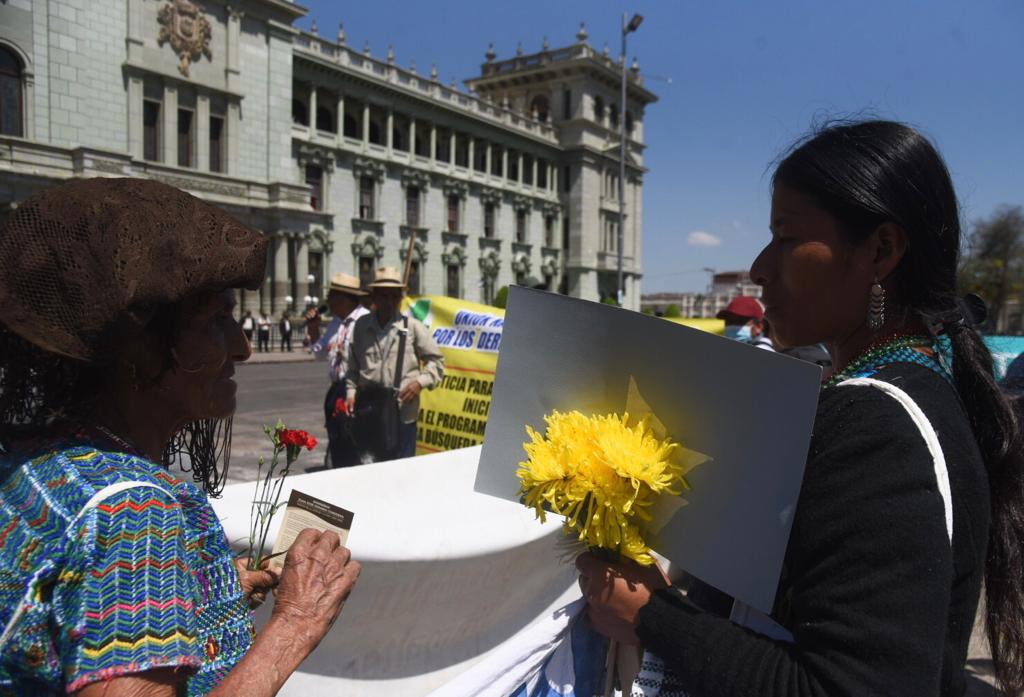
x=90 y=264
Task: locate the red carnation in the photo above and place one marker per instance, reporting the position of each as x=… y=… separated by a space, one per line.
x=296 y=438
x=340 y=408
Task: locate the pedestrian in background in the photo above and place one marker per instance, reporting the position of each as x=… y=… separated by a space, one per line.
x=744 y=321
x=248 y=326
x=263 y=332
x=313 y=320
x=344 y=299
x=284 y=327
x=391 y=359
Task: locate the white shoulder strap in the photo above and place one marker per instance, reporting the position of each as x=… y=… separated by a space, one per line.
x=931 y=440
x=95 y=500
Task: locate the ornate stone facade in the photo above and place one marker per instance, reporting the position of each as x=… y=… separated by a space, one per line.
x=343 y=159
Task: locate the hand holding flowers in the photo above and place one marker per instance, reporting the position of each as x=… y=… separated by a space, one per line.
x=268 y=486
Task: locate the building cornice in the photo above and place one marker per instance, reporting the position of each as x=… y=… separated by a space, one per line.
x=557 y=64
x=340 y=62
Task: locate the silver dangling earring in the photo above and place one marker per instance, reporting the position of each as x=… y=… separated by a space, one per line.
x=876 y=306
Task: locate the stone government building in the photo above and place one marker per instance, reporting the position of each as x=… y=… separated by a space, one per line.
x=338 y=156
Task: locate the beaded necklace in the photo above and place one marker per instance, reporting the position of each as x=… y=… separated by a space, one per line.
x=896 y=349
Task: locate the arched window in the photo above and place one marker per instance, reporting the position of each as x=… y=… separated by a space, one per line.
x=352 y=129
x=598 y=109
x=11 y=94
x=325 y=120
x=375 y=135
x=300 y=112
x=629 y=122
x=540 y=107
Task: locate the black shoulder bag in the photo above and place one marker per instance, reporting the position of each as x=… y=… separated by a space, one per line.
x=378 y=413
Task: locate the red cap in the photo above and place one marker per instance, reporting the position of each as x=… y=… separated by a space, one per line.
x=743 y=306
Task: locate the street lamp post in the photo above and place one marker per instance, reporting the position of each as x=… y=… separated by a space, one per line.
x=627 y=27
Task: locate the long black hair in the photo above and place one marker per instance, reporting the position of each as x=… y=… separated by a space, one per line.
x=42 y=393
x=872 y=172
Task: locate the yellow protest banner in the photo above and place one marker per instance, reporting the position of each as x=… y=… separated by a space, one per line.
x=710 y=325
x=454 y=414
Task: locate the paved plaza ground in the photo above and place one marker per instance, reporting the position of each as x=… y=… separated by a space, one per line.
x=293 y=391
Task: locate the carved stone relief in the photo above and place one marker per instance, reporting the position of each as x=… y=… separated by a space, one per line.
x=184 y=26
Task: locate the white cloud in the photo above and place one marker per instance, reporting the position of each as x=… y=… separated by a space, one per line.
x=699 y=238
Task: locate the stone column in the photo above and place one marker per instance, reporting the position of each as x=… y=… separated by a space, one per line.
x=433 y=142
x=389 y=136
x=412 y=137
x=170 y=125
x=533 y=165
x=451 y=148
x=487 y=159
x=366 y=124
x=202 y=131
x=234 y=33
x=312 y=111
x=282 y=283
x=504 y=164
x=339 y=121
x=471 y=162
x=135 y=116
x=301 y=270
x=554 y=178
x=519 y=169
x=234 y=129
x=135 y=41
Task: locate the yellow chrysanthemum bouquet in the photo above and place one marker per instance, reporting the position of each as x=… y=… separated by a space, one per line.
x=605 y=474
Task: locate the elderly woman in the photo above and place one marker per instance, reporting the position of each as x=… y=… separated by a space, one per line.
x=913 y=490
x=117 y=348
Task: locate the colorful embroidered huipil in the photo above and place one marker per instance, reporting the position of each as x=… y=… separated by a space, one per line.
x=90 y=590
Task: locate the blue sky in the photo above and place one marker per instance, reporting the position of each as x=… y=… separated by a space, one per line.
x=747 y=78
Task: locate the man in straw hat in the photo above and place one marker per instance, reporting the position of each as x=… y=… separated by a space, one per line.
x=344 y=298
x=390 y=350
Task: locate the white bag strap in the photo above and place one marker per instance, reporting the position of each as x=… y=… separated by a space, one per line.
x=931 y=440
x=95 y=500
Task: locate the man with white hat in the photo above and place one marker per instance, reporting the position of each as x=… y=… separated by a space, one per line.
x=344 y=298
x=392 y=358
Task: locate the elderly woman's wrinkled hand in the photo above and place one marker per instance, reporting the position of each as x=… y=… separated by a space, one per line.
x=316 y=580
x=615 y=592
x=255 y=584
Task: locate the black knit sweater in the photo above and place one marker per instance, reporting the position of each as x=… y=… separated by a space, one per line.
x=877 y=600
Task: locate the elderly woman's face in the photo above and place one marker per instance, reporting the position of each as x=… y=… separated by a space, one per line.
x=209 y=342
x=814 y=283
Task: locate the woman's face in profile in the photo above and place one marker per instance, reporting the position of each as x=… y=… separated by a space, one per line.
x=208 y=343
x=814 y=283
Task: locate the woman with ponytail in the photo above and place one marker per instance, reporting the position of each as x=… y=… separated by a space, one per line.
x=913 y=496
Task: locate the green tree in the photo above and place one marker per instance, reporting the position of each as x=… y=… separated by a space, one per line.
x=609 y=300
x=501 y=297
x=647 y=311
x=994 y=264
x=672 y=311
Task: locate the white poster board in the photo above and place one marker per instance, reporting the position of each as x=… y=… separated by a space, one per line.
x=749 y=410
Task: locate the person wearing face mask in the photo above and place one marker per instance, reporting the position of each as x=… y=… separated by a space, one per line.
x=744 y=321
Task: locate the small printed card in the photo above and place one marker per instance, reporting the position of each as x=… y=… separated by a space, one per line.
x=305 y=511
